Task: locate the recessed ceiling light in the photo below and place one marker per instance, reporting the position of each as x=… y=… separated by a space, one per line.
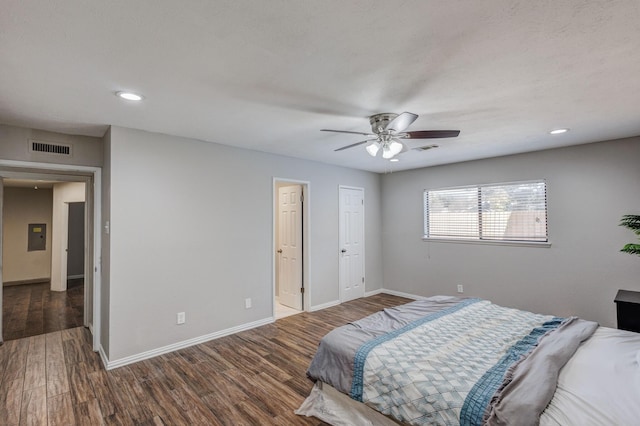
x=130 y=96
x=558 y=131
x=394 y=160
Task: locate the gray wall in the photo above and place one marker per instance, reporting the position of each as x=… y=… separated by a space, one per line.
x=21 y=207
x=191 y=231
x=589 y=187
x=14 y=145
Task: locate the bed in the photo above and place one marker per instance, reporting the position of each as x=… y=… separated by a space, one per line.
x=448 y=360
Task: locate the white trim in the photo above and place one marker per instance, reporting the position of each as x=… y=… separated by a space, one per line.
x=110 y=365
x=476 y=185
x=96 y=172
x=324 y=306
x=402 y=294
x=103 y=357
x=538 y=244
x=306 y=264
x=373 y=292
x=48 y=166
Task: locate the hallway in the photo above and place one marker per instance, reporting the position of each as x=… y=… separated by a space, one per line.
x=33 y=309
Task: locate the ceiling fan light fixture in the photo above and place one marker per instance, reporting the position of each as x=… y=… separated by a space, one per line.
x=386 y=152
x=395 y=147
x=373 y=148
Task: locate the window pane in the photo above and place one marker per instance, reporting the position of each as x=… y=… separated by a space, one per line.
x=508 y=212
x=514 y=212
x=453 y=213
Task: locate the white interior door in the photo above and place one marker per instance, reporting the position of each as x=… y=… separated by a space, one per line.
x=290 y=245
x=351 y=243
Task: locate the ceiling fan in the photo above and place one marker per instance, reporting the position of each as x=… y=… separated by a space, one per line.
x=388 y=130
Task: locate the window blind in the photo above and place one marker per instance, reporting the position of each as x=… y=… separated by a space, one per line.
x=503 y=212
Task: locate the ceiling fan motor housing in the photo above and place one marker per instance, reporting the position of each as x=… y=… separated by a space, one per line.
x=379 y=122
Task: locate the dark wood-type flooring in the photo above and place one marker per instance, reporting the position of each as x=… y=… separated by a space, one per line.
x=32 y=309
x=256 y=377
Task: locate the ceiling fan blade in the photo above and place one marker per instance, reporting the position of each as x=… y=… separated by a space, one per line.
x=347 y=131
x=402 y=121
x=430 y=134
x=354 y=144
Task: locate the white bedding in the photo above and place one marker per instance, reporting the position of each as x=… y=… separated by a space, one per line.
x=599 y=385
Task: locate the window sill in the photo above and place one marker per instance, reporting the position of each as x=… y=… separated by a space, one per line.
x=537 y=244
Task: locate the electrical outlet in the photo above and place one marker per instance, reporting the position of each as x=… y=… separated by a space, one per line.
x=460 y=288
x=180 y=318
x=247 y=303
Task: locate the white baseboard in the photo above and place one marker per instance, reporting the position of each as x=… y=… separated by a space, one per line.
x=110 y=365
x=103 y=357
x=324 y=306
x=401 y=294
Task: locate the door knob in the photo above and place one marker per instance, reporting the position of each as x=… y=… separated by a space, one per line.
x=280 y=251
x=343 y=251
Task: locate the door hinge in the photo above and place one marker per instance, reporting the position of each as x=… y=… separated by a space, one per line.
x=302 y=290
x=363 y=280
x=302 y=197
x=362 y=202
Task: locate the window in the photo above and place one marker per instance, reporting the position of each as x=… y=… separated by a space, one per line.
x=509 y=212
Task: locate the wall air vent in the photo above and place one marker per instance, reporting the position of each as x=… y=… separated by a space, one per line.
x=49 y=148
x=426 y=147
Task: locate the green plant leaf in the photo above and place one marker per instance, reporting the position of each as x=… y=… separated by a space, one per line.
x=631 y=249
x=632 y=222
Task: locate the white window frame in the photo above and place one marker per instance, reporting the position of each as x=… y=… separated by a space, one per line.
x=479 y=240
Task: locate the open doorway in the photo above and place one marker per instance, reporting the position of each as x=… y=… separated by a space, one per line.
x=291 y=292
x=43 y=254
x=90 y=179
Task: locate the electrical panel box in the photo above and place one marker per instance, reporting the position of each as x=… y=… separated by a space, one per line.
x=37 y=238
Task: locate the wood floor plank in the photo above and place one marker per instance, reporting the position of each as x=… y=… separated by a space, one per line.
x=35 y=371
x=60 y=411
x=193 y=407
x=132 y=396
x=17 y=360
x=10 y=402
x=88 y=413
x=253 y=377
x=104 y=395
x=34 y=407
x=79 y=384
x=57 y=380
x=224 y=410
x=171 y=413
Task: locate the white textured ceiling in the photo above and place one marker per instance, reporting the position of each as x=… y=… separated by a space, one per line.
x=267 y=75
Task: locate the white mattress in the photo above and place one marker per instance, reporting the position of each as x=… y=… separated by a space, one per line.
x=600 y=385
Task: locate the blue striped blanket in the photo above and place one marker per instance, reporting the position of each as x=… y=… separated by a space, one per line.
x=448 y=367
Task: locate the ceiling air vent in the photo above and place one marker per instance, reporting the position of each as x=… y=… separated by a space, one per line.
x=425 y=148
x=49 y=148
